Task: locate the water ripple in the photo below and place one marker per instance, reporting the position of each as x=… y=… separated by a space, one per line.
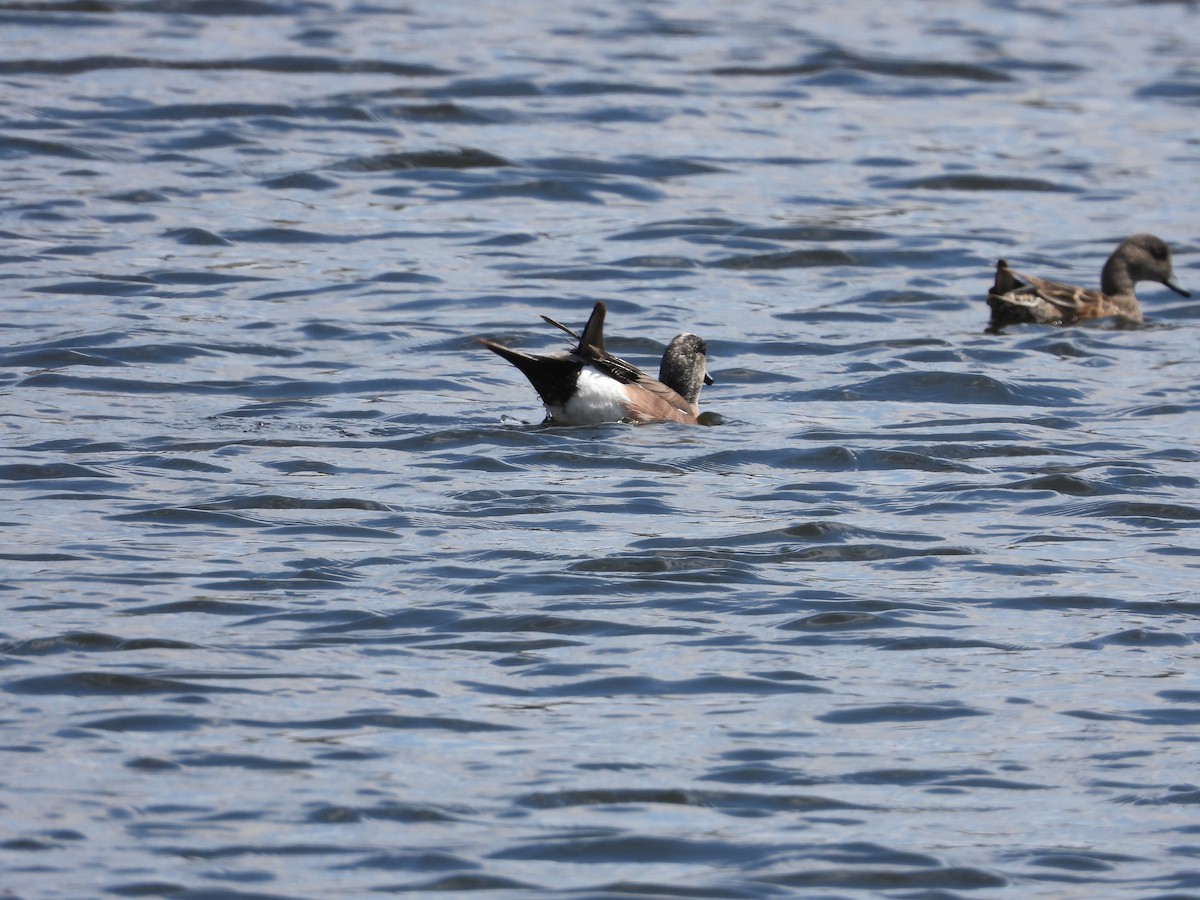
x=300 y=598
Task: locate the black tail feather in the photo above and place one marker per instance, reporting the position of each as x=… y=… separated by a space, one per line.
x=593 y=331
x=552 y=377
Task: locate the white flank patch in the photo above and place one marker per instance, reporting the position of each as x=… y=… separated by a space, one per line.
x=597 y=399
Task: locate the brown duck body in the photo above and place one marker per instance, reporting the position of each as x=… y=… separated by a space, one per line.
x=588 y=385
x=1018 y=298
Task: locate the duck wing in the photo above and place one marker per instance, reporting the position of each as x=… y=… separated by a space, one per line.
x=1069 y=299
x=652 y=401
x=590 y=349
x=1017 y=297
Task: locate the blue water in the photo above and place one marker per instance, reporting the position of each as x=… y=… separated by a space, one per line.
x=299 y=600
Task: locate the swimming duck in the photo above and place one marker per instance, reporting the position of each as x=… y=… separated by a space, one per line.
x=589 y=385
x=1016 y=298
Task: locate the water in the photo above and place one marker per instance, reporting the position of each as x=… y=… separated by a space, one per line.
x=300 y=601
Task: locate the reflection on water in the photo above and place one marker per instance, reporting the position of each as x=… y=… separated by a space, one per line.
x=299 y=598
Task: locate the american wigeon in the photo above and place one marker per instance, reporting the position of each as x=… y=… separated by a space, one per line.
x=588 y=385
x=1016 y=298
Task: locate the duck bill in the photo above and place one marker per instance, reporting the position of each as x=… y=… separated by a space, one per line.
x=1174 y=285
x=708 y=378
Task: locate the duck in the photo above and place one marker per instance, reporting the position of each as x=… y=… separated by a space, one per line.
x=590 y=386
x=1017 y=298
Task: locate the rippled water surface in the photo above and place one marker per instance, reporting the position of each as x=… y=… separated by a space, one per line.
x=300 y=600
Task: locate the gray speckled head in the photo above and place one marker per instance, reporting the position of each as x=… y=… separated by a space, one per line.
x=684 y=366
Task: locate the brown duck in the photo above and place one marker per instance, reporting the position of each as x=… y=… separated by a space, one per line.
x=1016 y=298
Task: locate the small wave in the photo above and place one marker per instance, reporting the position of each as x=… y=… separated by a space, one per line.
x=899 y=712
x=88 y=642
x=577 y=189
x=297 y=64
x=732 y=802
x=248 y=762
x=201 y=237
x=52 y=472
x=842 y=60
x=787 y=259
x=972 y=181
x=386 y=811
x=950 y=387
x=1179 y=90
x=1137 y=637
x=151 y=722
x=301 y=181
x=16 y=146
x=465 y=158
x=939 y=879
x=1147 y=513
x=641 y=686
x=101 y=287
x=376 y=722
